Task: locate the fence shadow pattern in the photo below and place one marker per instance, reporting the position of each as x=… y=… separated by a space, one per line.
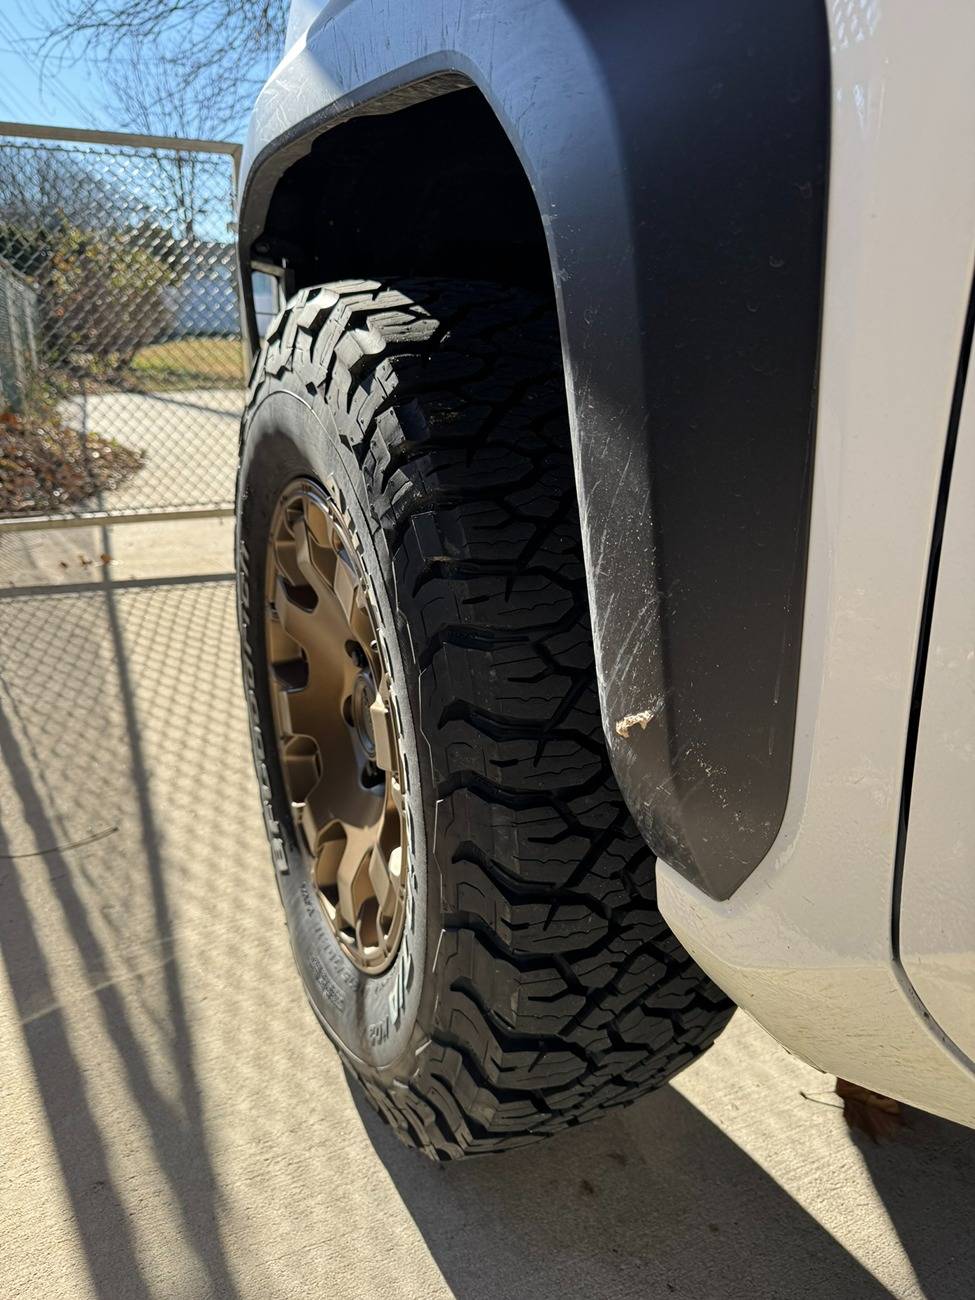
x=174 y=1118
x=200 y=1132
x=120 y=352
x=129 y=842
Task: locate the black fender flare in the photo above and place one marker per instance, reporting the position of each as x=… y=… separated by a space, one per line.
x=684 y=207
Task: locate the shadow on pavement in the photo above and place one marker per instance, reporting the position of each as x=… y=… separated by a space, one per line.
x=83 y=718
x=125 y=797
x=930 y=1164
x=556 y=1221
x=97 y=1210
x=231 y=411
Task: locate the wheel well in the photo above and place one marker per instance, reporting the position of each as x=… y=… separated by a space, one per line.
x=435 y=188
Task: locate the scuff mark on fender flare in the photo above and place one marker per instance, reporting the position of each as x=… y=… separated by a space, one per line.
x=641 y=720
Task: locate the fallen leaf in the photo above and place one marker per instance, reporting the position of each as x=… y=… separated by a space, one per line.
x=869 y=1112
x=45 y=465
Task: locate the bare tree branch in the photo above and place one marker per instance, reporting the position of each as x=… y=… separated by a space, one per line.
x=180 y=66
x=102 y=24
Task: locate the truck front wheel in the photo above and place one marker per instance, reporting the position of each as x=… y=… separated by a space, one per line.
x=470 y=905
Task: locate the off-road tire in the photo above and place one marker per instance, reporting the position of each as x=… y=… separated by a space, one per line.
x=538 y=985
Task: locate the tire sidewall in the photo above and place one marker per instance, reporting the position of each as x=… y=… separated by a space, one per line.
x=375 y=1019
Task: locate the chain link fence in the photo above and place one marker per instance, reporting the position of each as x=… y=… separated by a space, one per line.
x=121 y=365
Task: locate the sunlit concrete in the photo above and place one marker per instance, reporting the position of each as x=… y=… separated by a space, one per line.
x=173 y=1123
x=188 y=440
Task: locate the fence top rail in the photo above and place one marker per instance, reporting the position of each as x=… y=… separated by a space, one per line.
x=33 y=131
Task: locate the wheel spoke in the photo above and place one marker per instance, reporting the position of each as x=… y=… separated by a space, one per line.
x=301 y=765
x=340 y=604
x=394 y=872
x=316 y=522
x=345 y=589
x=379 y=876
x=313 y=561
x=352 y=877
x=281 y=648
x=318 y=817
x=395 y=793
x=295 y=620
x=297 y=712
x=285 y=555
x=382 y=734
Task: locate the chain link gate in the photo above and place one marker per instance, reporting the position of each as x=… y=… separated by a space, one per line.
x=121 y=361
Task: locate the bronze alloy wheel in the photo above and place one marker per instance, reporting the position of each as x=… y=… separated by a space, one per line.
x=335 y=734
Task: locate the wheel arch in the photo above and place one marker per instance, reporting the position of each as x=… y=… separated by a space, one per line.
x=463 y=206
x=668 y=167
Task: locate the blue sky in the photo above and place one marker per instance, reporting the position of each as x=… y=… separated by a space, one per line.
x=60 y=93
x=69 y=95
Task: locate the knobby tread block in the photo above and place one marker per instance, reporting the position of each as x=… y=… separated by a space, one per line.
x=560 y=990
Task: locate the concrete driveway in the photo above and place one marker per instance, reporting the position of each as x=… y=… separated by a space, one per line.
x=173 y=1123
x=189 y=441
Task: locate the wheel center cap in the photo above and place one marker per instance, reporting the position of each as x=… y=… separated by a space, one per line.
x=363 y=694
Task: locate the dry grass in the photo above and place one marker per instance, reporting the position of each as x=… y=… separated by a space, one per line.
x=190 y=363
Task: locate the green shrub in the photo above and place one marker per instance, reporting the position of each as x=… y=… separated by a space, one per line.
x=102 y=298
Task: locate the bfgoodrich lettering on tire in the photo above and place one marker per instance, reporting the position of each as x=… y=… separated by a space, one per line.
x=470 y=906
